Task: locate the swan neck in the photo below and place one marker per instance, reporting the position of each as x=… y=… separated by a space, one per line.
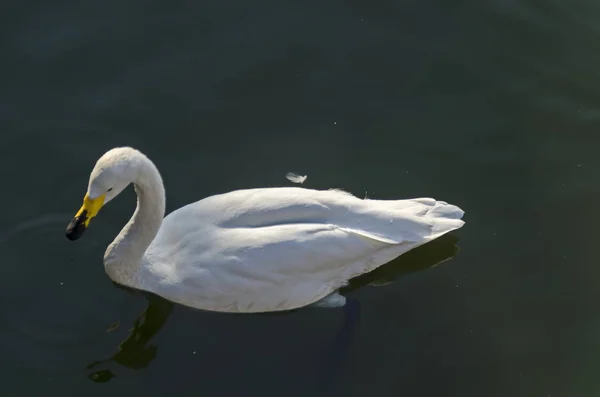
x=125 y=254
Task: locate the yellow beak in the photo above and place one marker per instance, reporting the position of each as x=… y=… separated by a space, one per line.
x=82 y=219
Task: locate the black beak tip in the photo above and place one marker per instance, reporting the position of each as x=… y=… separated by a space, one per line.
x=75 y=229
x=72 y=236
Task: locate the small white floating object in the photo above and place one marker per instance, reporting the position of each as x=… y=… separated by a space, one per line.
x=292 y=177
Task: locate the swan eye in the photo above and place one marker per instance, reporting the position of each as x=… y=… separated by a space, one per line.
x=109 y=189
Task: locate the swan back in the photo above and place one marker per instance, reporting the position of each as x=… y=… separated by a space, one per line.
x=391 y=220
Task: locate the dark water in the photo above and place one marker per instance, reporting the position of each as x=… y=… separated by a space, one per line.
x=491 y=105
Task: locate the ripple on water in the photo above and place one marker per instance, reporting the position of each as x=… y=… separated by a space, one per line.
x=56 y=306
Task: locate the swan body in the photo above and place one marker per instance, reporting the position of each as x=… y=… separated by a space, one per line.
x=252 y=250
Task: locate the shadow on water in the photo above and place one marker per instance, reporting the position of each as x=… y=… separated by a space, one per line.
x=136 y=352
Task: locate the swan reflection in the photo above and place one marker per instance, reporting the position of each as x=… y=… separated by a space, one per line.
x=136 y=352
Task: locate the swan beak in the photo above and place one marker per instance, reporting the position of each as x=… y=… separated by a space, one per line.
x=82 y=218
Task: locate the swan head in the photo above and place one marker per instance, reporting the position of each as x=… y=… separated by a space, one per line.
x=113 y=172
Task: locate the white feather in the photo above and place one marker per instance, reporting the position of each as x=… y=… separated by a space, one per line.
x=295 y=178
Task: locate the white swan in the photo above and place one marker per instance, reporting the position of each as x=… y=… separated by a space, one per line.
x=254 y=250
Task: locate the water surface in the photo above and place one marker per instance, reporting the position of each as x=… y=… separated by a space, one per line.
x=489 y=105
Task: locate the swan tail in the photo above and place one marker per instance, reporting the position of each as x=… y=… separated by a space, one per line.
x=416 y=220
x=444 y=218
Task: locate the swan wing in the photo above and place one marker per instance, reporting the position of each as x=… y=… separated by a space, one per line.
x=278 y=249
